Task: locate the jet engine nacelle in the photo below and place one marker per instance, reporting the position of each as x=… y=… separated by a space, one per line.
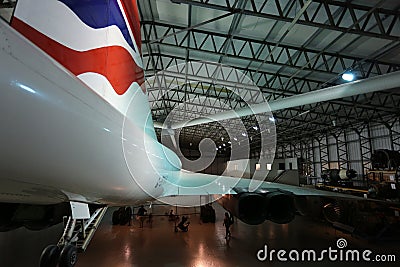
x=255 y=207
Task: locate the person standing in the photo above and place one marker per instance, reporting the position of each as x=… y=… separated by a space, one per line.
x=140 y=215
x=228 y=220
x=129 y=215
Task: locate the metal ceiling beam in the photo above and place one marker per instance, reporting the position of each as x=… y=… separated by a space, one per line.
x=355 y=106
x=278 y=85
x=265 y=76
x=384 y=30
x=357 y=64
x=268 y=83
x=284 y=35
x=232 y=29
x=8 y=4
x=299 y=58
x=183 y=29
x=383 y=82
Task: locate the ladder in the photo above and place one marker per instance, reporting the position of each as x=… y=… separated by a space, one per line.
x=80 y=232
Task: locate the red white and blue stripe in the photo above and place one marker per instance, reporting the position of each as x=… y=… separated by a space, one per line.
x=97 y=40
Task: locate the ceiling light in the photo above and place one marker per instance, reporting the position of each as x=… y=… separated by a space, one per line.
x=348 y=76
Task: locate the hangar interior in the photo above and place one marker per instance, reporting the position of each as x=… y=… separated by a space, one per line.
x=286 y=48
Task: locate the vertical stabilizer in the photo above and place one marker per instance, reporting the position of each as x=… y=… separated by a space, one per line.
x=97 y=40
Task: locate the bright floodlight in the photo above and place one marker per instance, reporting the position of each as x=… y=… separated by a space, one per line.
x=348 y=76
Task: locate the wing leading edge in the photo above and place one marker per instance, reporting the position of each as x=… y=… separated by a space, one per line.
x=189 y=183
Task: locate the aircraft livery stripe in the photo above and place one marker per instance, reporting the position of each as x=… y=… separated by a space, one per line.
x=123 y=73
x=132 y=12
x=77 y=36
x=101 y=14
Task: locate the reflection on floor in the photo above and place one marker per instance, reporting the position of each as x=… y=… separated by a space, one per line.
x=202 y=245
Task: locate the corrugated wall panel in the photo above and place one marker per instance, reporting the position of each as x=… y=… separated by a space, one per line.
x=351 y=136
x=378 y=131
x=381 y=143
x=353 y=150
x=317 y=157
x=331 y=140
x=317 y=169
x=332 y=150
x=378 y=136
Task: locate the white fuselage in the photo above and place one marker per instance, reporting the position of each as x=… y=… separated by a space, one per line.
x=61 y=141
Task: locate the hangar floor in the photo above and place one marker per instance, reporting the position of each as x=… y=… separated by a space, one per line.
x=203 y=245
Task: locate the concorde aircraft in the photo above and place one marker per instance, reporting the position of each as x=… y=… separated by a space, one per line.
x=77 y=134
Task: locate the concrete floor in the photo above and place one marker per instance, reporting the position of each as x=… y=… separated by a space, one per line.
x=203 y=245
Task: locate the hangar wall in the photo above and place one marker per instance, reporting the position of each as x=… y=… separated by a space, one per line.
x=349 y=148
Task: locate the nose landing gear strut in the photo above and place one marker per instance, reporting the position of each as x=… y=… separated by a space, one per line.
x=75 y=238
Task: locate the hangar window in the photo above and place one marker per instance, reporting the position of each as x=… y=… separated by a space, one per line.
x=258 y=167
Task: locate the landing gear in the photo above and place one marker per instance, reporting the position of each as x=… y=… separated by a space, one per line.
x=76 y=237
x=49 y=257
x=68 y=256
x=53 y=255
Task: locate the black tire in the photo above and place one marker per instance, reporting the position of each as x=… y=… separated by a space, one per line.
x=49 y=257
x=68 y=256
x=125 y=216
x=116 y=217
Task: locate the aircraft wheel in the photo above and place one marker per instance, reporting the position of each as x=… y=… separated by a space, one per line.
x=49 y=257
x=68 y=257
x=116 y=217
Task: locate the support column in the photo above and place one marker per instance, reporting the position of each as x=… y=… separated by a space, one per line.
x=364 y=136
x=341 y=150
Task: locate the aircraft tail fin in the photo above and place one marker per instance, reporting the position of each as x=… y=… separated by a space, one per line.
x=97 y=40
